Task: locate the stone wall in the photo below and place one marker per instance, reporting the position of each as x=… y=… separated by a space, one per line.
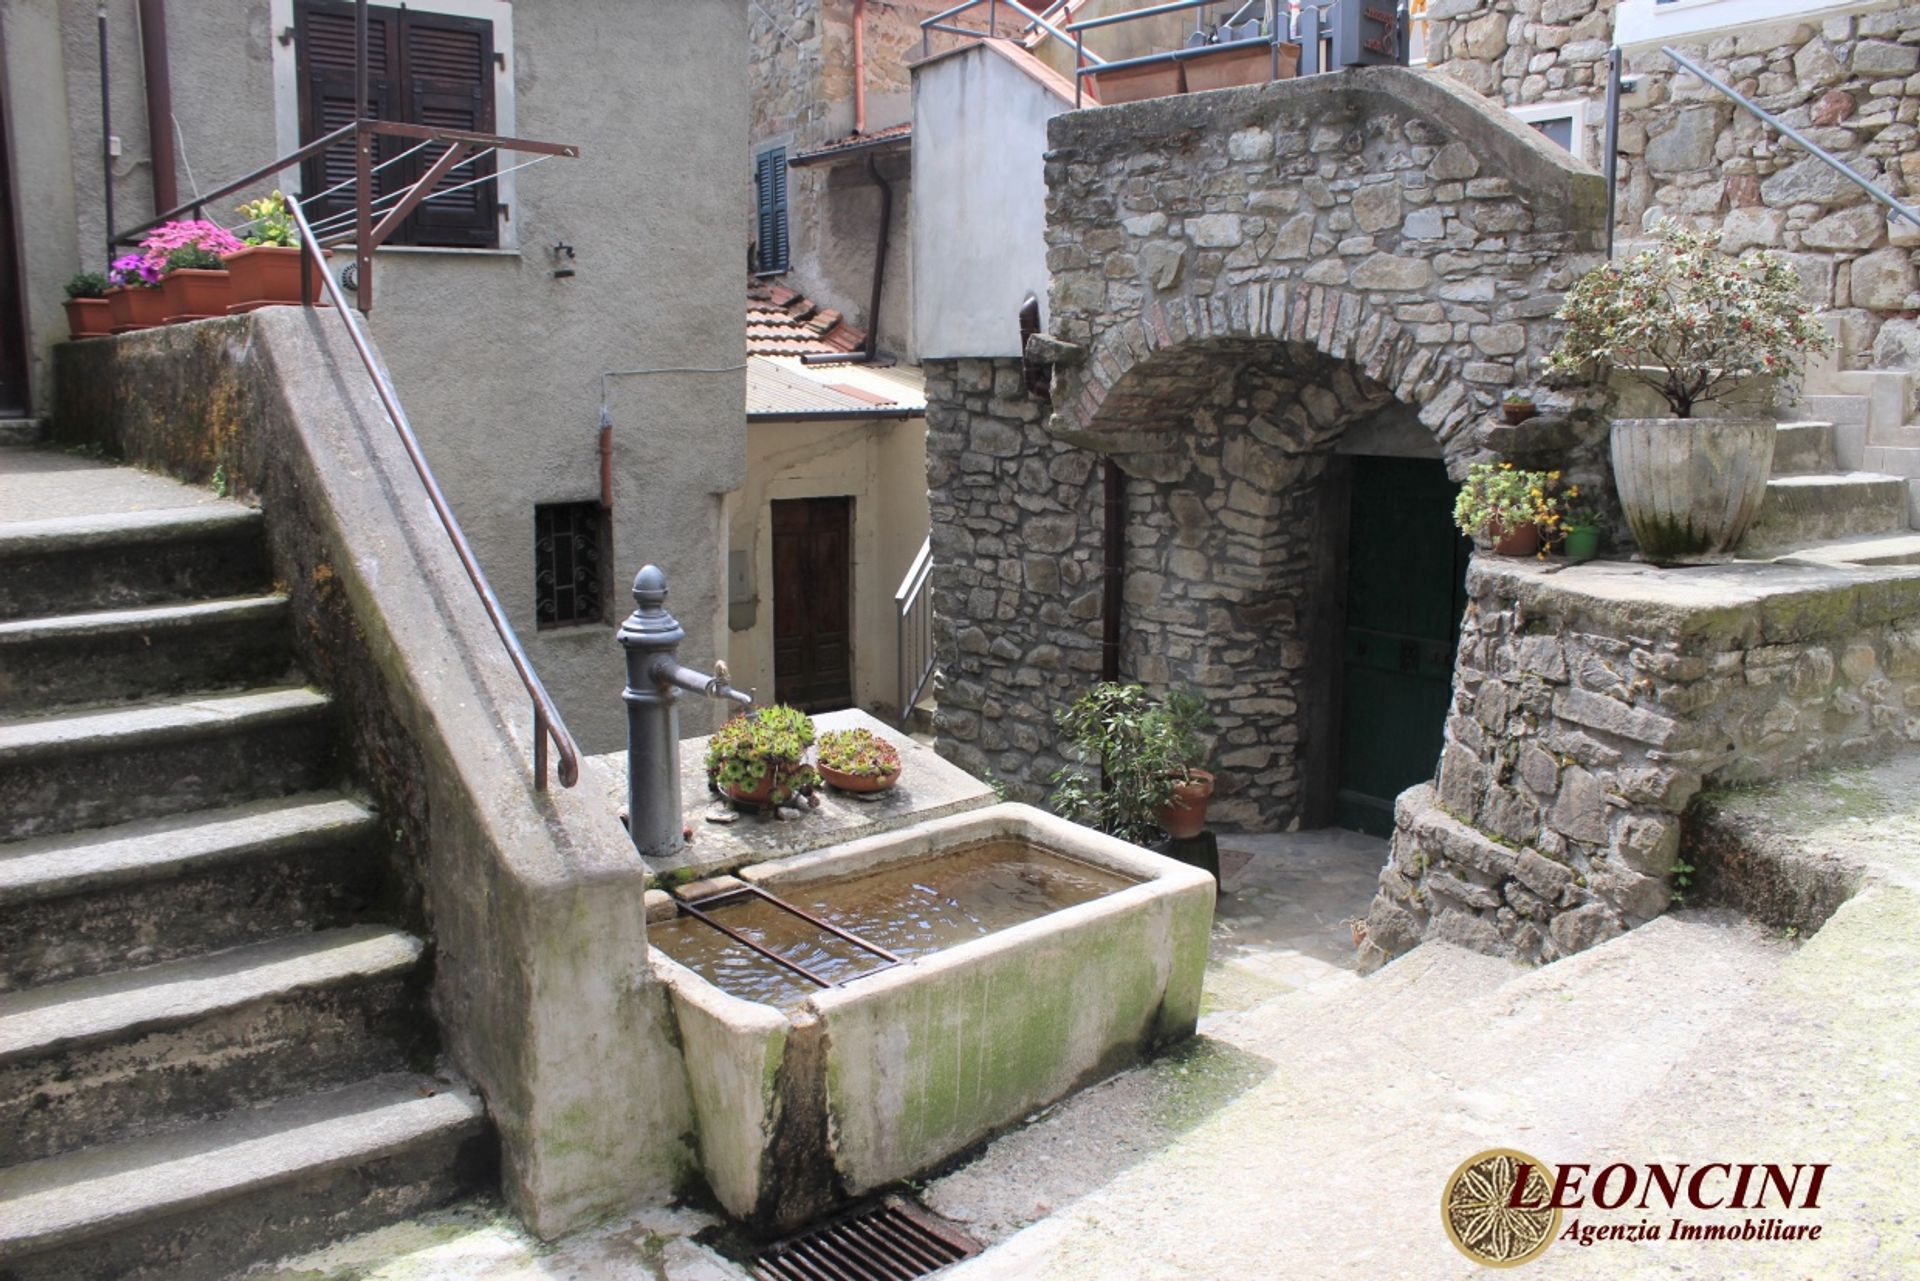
x=1591 y=706
x=1851 y=81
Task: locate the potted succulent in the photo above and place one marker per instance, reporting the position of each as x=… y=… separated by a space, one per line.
x=760 y=758
x=195 y=284
x=1692 y=324
x=89 y=314
x=1517 y=407
x=856 y=760
x=1147 y=753
x=1510 y=509
x=1580 y=533
x=266 y=268
x=135 y=300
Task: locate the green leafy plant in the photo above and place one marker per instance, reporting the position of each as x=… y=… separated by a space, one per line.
x=1128 y=750
x=1682 y=880
x=269 y=222
x=1504 y=497
x=1517 y=397
x=769 y=743
x=193 y=258
x=859 y=753
x=1687 y=320
x=88 y=284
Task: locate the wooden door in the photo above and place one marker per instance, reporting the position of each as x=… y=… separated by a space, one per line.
x=13 y=313
x=1406 y=590
x=813 y=603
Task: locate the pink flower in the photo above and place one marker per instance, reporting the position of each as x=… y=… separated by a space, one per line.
x=169 y=236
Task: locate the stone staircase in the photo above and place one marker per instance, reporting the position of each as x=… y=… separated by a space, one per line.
x=211 y=1050
x=1821 y=504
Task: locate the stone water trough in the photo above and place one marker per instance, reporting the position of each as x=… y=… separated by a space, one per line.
x=817 y=1094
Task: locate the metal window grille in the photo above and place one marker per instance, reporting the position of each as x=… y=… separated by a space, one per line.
x=567 y=540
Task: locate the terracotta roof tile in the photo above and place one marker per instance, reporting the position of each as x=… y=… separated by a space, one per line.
x=856 y=142
x=784 y=322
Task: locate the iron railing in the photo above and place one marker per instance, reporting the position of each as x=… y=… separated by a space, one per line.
x=546 y=717
x=913 y=632
x=1039 y=27
x=1813 y=148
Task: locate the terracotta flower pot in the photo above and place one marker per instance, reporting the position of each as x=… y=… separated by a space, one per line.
x=1187 y=815
x=268 y=276
x=1517 y=412
x=194 y=294
x=858 y=782
x=89 y=317
x=1691 y=486
x=136 y=307
x=1523 y=540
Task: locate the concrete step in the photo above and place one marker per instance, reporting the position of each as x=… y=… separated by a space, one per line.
x=201 y=1203
x=1803 y=448
x=83 y=903
x=1879 y=549
x=1799 y=510
x=74 y=564
x=20 y=432
x=98 y=768
x=116 y=1056
x=105 y=655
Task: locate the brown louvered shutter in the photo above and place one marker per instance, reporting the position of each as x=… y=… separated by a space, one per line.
x=323 y=34
x=447 y=74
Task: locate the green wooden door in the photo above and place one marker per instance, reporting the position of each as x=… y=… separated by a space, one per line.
x=1406 y=589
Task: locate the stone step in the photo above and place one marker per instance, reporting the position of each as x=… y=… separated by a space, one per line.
x=156 y=890
x=98 y=768
x=74 y=564
x=1879 y=549
x=1907 y=437
x=20 y=432
x=201 y=1203
x=1799 y=510
x=116 y=1056
x=1803 y=448
x=106 y=655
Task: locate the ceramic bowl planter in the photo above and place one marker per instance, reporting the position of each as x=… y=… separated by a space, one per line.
x=1691 y=486
x=1186 y=816
x=267 y=276
x=855 y=760
x=759 y=759
x=194 y=294
x=136 y=307
x=89 y=318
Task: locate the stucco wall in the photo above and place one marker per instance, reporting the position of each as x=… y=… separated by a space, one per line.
x=498 y=363
x=979 y=226
x=882 y=466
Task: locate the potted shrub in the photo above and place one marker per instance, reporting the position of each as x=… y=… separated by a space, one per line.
x=1580 y=534
x=265 y=270
x=89 y=314
x=1147 y=754
x=760 y=758
x=195 y=284
x=135 y=300
x=856 y=760
x=1508 y=508
x=1691 y=323
x=1517 y=407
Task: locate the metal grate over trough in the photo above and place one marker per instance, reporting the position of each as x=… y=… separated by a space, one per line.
x=887 y=1240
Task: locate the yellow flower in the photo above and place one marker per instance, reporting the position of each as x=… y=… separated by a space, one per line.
x=1573 y=491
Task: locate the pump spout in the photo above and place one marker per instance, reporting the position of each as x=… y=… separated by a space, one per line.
x=668 y=672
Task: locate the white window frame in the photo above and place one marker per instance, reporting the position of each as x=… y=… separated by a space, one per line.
x=1574 y=109
x=286 y=103
x=1643 y=22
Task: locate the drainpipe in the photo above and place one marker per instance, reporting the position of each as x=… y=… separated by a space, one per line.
x=879 y=257
x=1113 y=541
x=859 y=66
x=106 y=129
x=153 y=54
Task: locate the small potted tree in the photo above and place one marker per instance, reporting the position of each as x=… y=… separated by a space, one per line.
x=135 y=300
x=1136 y=764
x=1508 y=509
x=858 y=760
x=266 y=268
x=89 y=314
x=759 y=759
x=1692 y=324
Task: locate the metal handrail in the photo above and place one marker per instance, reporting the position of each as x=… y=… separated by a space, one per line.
x=1035 y=21
x=913 y=614
x=546 y=717
x=1766 y=117
x=199 y=202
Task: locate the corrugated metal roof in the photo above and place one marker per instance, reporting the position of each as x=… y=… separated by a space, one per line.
x=783 y=388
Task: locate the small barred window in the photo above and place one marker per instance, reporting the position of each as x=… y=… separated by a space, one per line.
x=567 y=541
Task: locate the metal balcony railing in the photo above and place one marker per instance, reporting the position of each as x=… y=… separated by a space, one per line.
x=913 y=608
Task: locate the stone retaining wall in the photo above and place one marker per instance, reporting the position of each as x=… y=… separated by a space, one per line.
x=1591 y=706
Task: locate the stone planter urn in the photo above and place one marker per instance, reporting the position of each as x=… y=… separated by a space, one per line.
x=1690 y=487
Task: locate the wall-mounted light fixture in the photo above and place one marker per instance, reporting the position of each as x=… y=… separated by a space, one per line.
x=563 y=260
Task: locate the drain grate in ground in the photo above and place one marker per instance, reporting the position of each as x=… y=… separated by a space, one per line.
x=888 y=1240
